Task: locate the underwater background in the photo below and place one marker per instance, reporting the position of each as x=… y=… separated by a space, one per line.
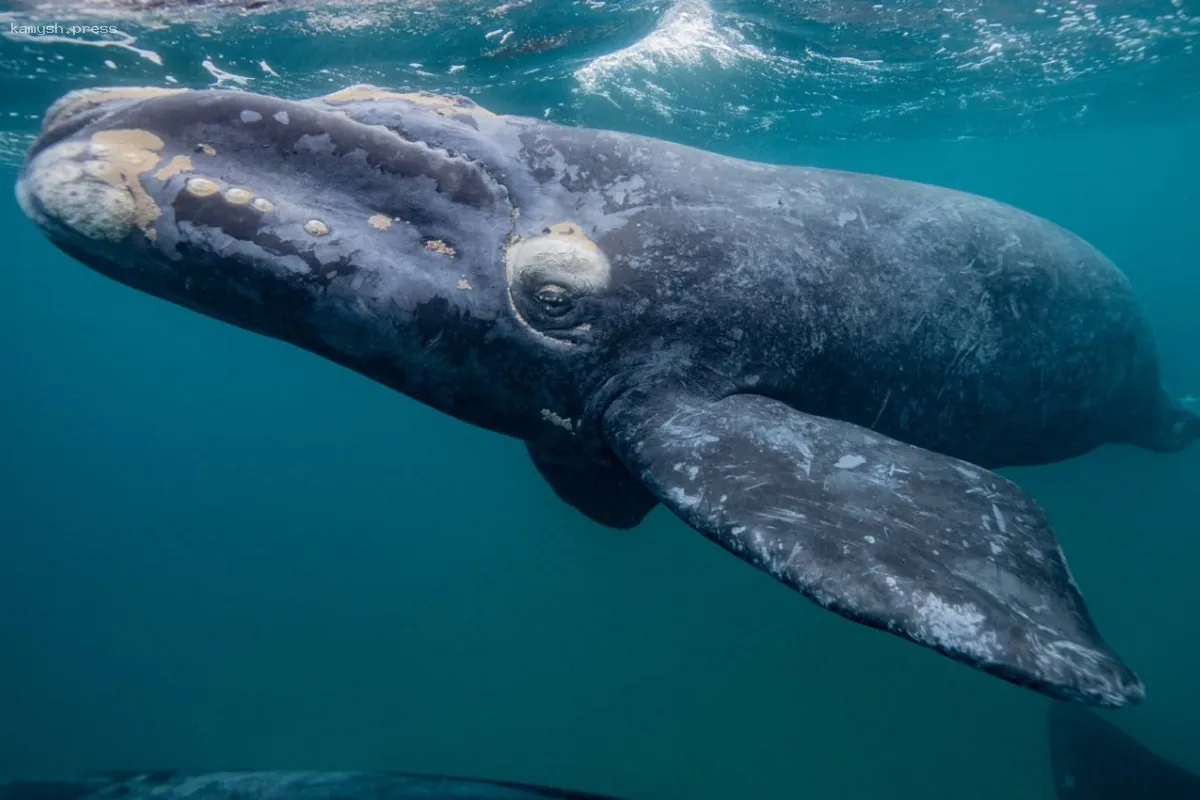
x=219 y=551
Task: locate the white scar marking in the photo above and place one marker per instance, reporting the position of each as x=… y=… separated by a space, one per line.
x=281 y=117
x=966 y=473
x=250 y=116
x=1000 y=520
x=850 y=462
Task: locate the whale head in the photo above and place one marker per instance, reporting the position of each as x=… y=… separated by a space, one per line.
x=375 y=229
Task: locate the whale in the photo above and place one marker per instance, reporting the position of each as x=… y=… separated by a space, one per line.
x=821 y=372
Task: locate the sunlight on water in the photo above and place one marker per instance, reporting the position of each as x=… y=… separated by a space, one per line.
x=783 y=72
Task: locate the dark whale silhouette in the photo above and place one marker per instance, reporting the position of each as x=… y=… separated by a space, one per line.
x=1092 y=759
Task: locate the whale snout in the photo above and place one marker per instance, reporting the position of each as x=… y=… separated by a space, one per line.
x=253 y=209
x=90 y=189
x=354 y=225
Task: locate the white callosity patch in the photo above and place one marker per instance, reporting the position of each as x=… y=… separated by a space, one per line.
x=564 y=255
x=79 y=100
x=94 y=189
x=563 y=259
x=439 y=104
x=238 y=196
x=200 y=187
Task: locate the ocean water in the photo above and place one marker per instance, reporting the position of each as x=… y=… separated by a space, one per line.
x=217 y=550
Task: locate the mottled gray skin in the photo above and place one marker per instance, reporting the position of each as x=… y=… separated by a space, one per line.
x=813 y=369
x=278 y=785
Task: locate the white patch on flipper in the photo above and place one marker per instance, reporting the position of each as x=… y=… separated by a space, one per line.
x=692 y=471
x=1069 y=657
x=682 y=499
x=956 y=627
x=850 y=462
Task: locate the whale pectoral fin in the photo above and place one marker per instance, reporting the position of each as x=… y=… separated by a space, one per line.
x=603 y=491
x=927 y=547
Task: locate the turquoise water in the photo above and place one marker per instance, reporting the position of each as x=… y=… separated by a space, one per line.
x=216 y=550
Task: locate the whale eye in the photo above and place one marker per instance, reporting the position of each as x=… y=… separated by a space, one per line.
x=555 y=299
